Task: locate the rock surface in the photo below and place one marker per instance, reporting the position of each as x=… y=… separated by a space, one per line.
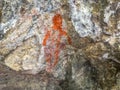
x=90 y=62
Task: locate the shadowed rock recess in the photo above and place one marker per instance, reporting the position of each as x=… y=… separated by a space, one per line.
x=90 y=62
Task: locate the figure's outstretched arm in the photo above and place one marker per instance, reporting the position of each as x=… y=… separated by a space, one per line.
x=46 y=38
x=62 y=32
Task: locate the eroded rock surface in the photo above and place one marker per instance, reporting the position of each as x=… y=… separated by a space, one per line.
x=90 y=62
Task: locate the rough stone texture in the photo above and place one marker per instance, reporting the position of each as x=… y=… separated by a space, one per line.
x=11 y=80
x=91 y=62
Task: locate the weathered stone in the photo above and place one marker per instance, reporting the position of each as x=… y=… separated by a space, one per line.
x=90 y=62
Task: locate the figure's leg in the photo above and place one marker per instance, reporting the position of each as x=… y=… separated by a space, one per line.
x=48 y=62
x=56 y=55
x=47 y=57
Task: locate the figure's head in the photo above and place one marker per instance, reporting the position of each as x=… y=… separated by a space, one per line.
x=57 y=20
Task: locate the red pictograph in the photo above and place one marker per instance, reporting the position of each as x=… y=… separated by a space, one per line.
x=53 y=42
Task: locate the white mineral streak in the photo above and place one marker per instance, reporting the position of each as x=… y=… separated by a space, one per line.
x=107 y=14
x=118 y=24
x=9 y=24
x=118 y=5
x=81 y=19
x=44 y=6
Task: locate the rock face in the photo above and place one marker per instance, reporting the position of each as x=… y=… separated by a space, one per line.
x=78 y=50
